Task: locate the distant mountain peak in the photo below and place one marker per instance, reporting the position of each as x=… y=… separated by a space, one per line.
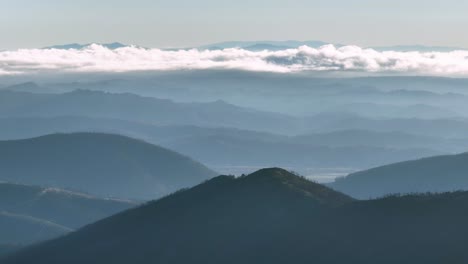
x=113 y=45
x=275 y=183
x=273 y=173
x=300 y=185
x=264 y=45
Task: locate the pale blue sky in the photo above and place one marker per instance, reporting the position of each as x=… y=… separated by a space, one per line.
x=183 y=23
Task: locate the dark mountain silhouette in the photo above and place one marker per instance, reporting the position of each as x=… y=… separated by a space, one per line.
x=66 y=208
x=434 y=174
x=270 y=216
x=24 y=229
x=101 y=164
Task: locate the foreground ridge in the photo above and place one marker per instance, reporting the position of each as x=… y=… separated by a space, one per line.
x=270 y=216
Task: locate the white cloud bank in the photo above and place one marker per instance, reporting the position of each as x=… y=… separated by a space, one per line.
x=96 y=58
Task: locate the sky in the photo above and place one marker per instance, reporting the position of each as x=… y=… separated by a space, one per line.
x=184 y=23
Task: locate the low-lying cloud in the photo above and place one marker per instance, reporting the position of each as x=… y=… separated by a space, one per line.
x=96 y=58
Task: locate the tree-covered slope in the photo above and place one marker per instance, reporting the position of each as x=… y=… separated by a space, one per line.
x=270 y=216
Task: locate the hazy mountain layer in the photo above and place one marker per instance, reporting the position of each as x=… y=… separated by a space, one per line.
x=434 y=174
x=66 y=208
x=23 y=229
x=100 y=164
x=292 y=94
x=366 y=108
x=224 y=147
x=137 y=108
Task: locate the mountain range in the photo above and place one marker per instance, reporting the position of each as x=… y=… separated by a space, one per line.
x=228 y=147
x=264 y=45
x=124 y=167
x=270 y=216
x=420 y=119
x=274 y=46
x=397 y=97
x=136 y=108
x=222 y=135
x=292 y=44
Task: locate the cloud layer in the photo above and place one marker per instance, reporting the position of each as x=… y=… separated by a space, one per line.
x=96 y=58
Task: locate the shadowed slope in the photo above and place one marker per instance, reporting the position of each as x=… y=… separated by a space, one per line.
x=270 y=216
